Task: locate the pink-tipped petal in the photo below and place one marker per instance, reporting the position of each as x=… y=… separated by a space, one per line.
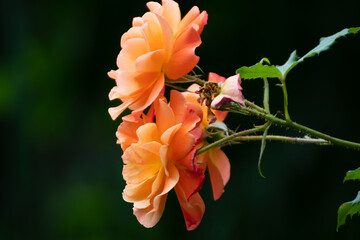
x=219 y=170
x=183 y=58
x=213 y=77
x=230 y=92
x=190 y=181
x=181 y=63
x=191 y=18
x=193 y=209
x=164 y=116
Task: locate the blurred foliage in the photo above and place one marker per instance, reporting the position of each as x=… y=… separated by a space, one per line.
x=60 y=166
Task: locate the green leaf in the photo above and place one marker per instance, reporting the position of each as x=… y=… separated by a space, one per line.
x=259 y=71
x=325 y=44
x=219 y=126
x=353 y=175
x=348 y=208
x=263 y=145
x=290 y=64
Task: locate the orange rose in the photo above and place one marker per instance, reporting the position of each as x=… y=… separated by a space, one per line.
x=214 y=159
x=159 y=156
x=158 y=46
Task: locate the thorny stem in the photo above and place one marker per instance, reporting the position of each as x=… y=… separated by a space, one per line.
x=290 y=124
x=283 y=139
x=228 y=139
x=266 y=95
x=177 y=87
x=255 y=110
x=283 y=86
x=187 y=79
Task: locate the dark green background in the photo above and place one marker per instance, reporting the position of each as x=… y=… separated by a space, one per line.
x=60 y=166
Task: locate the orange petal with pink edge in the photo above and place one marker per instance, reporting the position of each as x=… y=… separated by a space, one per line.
x=177 y=104
x=189 y=39
x=219 y=170
x=181 y=63
x=213 y=77
x=181 y=144
x=164 y=116
x=192 y=117
x=187 y=113
x=183 y=58
x=193 y=209
x=191 y=18
x=190 y=181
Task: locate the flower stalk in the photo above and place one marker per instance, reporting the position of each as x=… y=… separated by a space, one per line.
x=286 y=110
x=257 y=111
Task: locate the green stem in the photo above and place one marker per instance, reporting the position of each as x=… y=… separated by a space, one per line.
x=287 y=116
x=228 y=139
x=177 y=87
x=289 y=124
x=253 y=105
x=200 y=82
x=283 y=139
x=266 y=95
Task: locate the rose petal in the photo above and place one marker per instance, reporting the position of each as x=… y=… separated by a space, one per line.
x=193 y=209
x=219 y=170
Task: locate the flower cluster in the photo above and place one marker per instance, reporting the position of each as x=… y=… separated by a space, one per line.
x=160 y=138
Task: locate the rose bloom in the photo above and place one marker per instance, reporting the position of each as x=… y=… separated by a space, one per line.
x=214 y=159
x=159 y=156
x=230 y=90
x=159 y=45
